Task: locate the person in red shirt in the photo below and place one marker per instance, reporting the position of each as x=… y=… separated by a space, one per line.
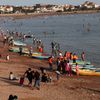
x=40 y=49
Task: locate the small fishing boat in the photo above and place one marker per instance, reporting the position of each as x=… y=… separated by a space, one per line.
x=88 y=72
x=40 y=55
x=90 y=66
x=80 y=62
x=16 y=49
x=19 y=43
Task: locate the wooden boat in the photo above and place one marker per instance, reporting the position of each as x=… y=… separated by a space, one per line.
x=16 y=49
x=19 y=43
x=90 y=66
x=88 y=72
x=40 y=55
x=80 y=62
x=25 y=51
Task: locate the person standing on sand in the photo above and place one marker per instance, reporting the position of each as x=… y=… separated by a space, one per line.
x=75 y=57
x=58 y=63
x=30 y=51
x=77 y=69
x=67 y=67
x=37 y=80
x=5 y=39
x=29 y=75
x=70 y=70
x=20 y=50
x=50 y=63
x=57 y=75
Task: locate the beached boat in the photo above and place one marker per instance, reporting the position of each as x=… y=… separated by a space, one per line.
x=90 y=66
x=80 y=62
x=88 y=72
x=25 y=51
x=19 y=43
x=16 y=49
x=40 y=55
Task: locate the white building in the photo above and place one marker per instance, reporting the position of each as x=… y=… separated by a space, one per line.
x=6 y=9
x=57 y=8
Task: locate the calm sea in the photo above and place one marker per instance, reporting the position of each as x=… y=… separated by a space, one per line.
x=75 y=33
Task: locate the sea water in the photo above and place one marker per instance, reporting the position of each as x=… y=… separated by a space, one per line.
x=75 y=33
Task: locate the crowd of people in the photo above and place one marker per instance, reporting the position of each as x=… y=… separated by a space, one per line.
x=63 y=62
x=63 y=65
x=36 y=77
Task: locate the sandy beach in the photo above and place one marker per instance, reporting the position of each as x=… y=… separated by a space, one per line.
x=67 y=88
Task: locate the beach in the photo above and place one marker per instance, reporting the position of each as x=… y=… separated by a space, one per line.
x=67 y=88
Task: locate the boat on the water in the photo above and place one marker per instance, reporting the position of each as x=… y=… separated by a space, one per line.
x=28 y=36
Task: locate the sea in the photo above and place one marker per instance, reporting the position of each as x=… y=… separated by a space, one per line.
x=75 y=32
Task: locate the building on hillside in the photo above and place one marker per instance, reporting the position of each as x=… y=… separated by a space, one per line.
x=6 y=9
x=28 y=7
x=58 y=8
x=69 y=7
x=89 y=5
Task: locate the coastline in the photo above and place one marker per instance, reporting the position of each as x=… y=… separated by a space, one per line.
x=20 y=16
x=67 y=88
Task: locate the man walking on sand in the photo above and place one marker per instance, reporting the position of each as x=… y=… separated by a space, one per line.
x=37 y=80
x=29 y=74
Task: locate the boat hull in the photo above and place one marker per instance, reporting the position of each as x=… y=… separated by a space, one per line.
x=88 y=72
x=19 y=43
x=40 y=56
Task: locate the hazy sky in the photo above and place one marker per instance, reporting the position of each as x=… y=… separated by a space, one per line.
x=32 y=2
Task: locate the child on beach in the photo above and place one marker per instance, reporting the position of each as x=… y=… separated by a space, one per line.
x=21 y=80
x=77 y=69
x=12 y=77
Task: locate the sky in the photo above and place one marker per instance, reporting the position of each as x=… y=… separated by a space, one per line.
x=33 y=2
